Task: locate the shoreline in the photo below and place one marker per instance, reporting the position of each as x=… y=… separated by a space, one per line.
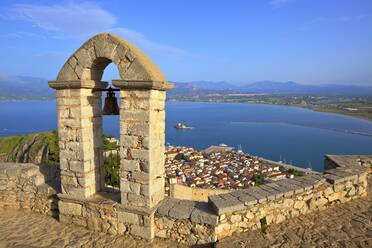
x=284 y=105
x=248 y=102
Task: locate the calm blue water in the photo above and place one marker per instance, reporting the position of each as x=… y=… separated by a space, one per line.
x=296 y=135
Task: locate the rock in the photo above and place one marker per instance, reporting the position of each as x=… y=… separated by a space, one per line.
x=235 y=218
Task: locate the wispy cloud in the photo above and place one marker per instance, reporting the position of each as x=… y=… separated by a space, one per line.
x=49 y=54
x=82 y=20
x=333 y=20
x=21 y=34
x=69 y=20
x=279 y=3
x=142 y=41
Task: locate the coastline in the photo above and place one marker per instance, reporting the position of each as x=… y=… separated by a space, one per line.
x=288 y=105
x=324 y=110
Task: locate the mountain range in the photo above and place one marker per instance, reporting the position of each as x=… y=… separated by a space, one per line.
x=273 y=87
x=33 y=87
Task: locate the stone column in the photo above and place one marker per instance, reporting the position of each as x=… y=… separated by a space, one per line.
x=142 y=128
x=79 y=134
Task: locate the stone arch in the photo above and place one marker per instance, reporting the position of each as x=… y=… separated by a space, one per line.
x=142 y=127
x=90 y=60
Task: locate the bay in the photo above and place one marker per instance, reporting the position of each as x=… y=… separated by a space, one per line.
x=294 y=135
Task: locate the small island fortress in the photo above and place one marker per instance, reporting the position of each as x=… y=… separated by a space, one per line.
x=76 y=193
x=181 y=126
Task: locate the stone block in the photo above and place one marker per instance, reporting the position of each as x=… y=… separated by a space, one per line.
x=203 y=216
x=130 y=141
x=69 y=208
x=130 y=187
x=259 y=194
x=225 y=203
x=129 y=165
x=235 y=218
x=334 y=179
x=166 y=205
x=130 y=218
x=182 y=210
x=146 y=232
x=137 y=200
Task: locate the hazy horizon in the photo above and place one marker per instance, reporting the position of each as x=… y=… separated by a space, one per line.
x=307 y=42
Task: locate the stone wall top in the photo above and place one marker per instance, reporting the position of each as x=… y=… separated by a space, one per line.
x=348 y=161
x=240 y=199
x=344 y=168
x=197 y=212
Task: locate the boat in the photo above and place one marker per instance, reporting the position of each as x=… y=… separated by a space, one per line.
x=181 y=126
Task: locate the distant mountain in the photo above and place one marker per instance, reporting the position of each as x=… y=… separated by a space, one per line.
x=209 y=85
x=270 y=87
x=24 y=87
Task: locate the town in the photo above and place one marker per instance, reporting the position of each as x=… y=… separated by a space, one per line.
x=221 y=167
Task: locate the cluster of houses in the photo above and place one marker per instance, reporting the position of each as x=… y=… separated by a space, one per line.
x=219 y=168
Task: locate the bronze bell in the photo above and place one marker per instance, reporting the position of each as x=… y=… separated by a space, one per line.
x=111 y=106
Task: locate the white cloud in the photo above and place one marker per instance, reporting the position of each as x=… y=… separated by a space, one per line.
x=279 y=3
x=21 y=34
x=140 y=40
x=333 y=21
x=83 y=20
x=68 y=20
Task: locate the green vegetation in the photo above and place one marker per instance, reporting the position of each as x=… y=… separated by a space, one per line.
x=107 y=145
x=7 y=144
x=112 y=166
x=180 y=156
x=258 y=179
x=28 y=147
x=31 y=145
x=295 y=172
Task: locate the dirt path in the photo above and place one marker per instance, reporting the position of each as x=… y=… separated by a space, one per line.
x=24 y=229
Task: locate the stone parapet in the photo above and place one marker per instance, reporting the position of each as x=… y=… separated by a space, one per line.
x=103 y=212
x=256 y=207
x=30 y=187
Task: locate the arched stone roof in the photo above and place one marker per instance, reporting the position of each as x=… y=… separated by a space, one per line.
x=90 y=60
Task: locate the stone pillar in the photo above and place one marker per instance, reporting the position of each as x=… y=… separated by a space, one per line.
x=142 y=128
x=79 y=134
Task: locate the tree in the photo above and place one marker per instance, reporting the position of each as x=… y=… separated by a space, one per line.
x=258 y=179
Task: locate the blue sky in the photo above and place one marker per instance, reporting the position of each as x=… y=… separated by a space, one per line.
x=307 y=41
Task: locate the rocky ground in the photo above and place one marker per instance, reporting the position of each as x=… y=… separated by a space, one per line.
x=346 y=225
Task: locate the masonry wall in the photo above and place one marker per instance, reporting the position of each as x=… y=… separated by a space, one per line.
x=194 y=194
x=29 y=187
x=104 y=213
x=80 y=142
x=281 y=206
x=256 y=207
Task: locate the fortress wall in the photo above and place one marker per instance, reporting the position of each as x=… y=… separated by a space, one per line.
x=256 y=207
x=27 y=186
x=273 y=203
x=194 y=194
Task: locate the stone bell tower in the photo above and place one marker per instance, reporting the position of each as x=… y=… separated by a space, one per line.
x=142 y=125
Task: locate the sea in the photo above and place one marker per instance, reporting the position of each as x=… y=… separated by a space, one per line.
x=293 y=135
